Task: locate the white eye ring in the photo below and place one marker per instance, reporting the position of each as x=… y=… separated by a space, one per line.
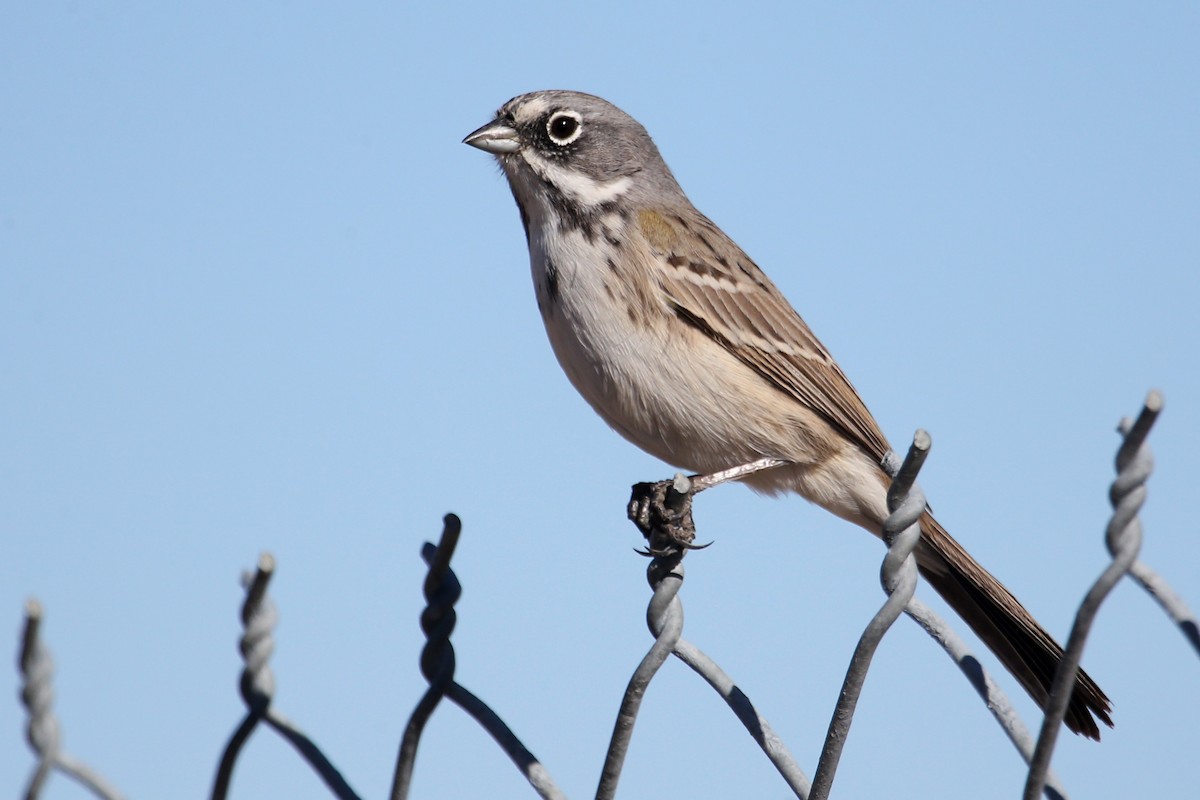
x=564 y=127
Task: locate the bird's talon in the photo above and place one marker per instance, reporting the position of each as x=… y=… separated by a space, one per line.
x=664 y=516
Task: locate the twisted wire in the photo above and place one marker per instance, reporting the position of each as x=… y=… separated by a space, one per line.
x=37 y=695
x=442 y=590
x=257 y=686
x=37 y=691
x=667 y=523
x=43 y=732
x=1123 y=535
x=1126 y=494
x=256 y=683
x=898 y=574
x=257 y=643
x=664 y=617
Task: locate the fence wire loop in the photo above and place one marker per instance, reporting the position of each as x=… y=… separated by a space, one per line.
x=1123 y=535
x=257 y=644
x=663 y=512
x=941 y=632
x=1132 y=472
x=37 y=693
x=442 y=590
x=257 y=686
x=42 y=731
x=1123 y=494
x=899 y=578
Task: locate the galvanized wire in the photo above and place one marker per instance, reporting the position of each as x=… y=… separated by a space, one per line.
x=756 y=724
x=42 y=731
x=442 y=590
x=898 y=575
x=993 y=696
x=1154 y=584
x=666 y=519
x=665 y=612
x=1124 y=536
x=1175 y=606
x=257 y=685
x=437 y=657
x=663 y=513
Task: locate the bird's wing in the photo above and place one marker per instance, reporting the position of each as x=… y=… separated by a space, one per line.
x=716 y=288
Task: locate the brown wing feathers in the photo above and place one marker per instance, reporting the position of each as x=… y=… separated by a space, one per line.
x=725 y=295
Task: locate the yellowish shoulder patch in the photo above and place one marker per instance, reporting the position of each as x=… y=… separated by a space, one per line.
x=657 y=230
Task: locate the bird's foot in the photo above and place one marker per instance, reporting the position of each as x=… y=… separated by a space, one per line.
x=662 y=511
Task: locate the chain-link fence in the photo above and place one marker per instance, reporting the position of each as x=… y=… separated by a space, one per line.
x=663 y=512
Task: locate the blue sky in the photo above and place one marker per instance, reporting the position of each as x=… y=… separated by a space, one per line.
x=255 y=295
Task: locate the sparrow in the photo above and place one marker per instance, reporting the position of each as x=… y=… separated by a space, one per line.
x=681 y=343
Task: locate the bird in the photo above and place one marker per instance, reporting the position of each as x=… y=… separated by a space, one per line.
x=680 y=342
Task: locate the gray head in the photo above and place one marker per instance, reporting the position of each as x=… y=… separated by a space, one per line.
x=560 y=146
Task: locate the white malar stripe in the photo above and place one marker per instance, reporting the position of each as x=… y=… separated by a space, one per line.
x=585 y=191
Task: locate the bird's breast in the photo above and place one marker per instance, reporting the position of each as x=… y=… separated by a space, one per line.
x=598 y=316
x=664 y=386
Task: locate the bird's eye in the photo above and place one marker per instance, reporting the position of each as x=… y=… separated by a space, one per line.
x=564 y=127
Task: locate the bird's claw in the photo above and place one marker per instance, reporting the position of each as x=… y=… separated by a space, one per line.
x=663 y=513
x=670 y=550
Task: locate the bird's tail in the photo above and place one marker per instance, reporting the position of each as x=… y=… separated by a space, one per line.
x=1004 y=625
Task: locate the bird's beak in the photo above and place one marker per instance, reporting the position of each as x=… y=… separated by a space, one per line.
x=496 y=138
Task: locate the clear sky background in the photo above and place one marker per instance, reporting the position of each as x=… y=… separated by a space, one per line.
x=256 y=295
